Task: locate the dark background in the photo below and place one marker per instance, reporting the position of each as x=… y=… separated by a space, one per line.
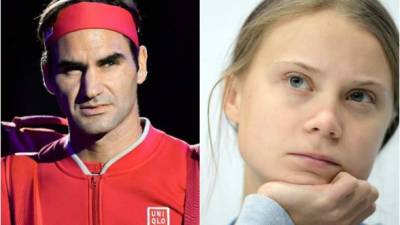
x=170 y=95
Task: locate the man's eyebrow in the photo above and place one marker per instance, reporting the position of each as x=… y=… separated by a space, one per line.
x=65 y=64
x=300 y=64
x=110 y=58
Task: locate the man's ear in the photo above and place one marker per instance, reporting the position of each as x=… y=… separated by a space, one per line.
x=142 y=62
x=232 y=98
x=48 y=83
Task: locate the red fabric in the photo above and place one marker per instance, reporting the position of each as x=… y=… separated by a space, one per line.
x=192 y=208
x=92 y=15
x=53 y=190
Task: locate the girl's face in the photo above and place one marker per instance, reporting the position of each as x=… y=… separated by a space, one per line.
x=316 y=99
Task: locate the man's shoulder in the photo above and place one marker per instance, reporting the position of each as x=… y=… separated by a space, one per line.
x=23 y=158
x=18 y=165
x=176 y=143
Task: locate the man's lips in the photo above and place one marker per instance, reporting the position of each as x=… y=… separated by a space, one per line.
x=316 y=159
x=91 y=110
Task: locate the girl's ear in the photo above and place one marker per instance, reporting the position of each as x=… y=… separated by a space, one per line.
x=232 y=98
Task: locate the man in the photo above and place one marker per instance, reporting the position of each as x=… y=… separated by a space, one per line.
x=113 y=167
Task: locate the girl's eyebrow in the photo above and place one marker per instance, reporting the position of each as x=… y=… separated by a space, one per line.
x=300 y=64
x=369 y=82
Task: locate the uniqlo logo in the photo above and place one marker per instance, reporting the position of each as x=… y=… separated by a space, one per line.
x=157 y=216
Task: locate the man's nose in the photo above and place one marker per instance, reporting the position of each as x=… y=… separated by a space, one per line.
x=325 y=122
x=91 y=85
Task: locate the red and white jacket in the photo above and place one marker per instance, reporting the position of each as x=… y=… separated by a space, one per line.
x=153 y=181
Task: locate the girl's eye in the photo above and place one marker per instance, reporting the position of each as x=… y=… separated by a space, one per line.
x=360 y=96
x=297 y=81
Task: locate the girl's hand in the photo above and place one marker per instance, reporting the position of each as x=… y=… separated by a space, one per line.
x=344 y=201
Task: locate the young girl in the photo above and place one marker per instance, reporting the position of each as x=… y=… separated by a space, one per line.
x=312 y=91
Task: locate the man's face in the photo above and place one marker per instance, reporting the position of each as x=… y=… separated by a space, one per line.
x=316 y=100
x=94 y=78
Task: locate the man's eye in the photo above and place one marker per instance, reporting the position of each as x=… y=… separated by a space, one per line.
x=298 y=82
x=109 y=63
x=70 y=69
x=361 y=96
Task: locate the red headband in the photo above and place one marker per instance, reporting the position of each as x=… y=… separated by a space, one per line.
x=92 y=15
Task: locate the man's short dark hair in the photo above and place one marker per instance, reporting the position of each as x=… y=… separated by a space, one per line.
x=50 y=13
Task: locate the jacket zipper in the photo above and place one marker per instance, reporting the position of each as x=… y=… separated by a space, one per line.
x=94 y=184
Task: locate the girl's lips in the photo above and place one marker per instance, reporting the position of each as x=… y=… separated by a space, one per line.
x=317 y=160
